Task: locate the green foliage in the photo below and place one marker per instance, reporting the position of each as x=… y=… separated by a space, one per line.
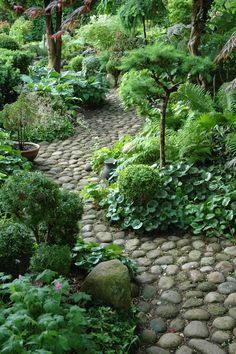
x=179 y=11
x=138 y=183
x=197 y=98
x=21 y=30
x=35 y=201
x=9 y=79
x=38 y=320
x=45 y=318
x=16 y=247
x=87 y=255
x=11 y=161
x=18 y=116
x=19 y=59
x=8 y=43
x=91 y=65
x=183 y=200
x=53 y=257
x=101 y=31
x=76 y=63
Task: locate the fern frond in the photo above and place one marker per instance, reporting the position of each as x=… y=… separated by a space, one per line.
x=226 y=98
x=228 y=48
x=196 y=97
x=231 y=143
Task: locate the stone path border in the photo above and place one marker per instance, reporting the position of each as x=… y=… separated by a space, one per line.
x=188 y=284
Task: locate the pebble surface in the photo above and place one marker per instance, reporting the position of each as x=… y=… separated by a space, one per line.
x=187 y=297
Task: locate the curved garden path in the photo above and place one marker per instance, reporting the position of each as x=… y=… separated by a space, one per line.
x=188 y=294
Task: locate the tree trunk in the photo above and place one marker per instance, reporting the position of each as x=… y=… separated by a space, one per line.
x=54 y=45
x=163 y=129
x=144 y=30
x=200 y=10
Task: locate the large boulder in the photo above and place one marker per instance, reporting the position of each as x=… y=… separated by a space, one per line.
x=109 y=282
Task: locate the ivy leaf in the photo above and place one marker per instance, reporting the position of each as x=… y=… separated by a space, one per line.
x=137 y=224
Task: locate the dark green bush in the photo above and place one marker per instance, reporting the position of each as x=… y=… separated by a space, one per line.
x=138 y=183
x=53 y=257
x=76 y=63
x=8 y=42
x=22 y=59
x=9 y=79
x=91 y=65
x=51 y=214
x=16 y=247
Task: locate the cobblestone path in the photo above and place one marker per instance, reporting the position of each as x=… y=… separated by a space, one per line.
x=188 y=284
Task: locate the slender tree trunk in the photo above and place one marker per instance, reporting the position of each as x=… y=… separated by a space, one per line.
x=54 y=45
x=200 y=10
x=163 y=129
x=144 y=31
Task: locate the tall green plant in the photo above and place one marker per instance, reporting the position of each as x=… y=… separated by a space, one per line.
x=164 y=68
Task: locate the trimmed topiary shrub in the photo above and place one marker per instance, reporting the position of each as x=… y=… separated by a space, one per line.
x=76 y=63
x=91 y=65
x=51 y=214
x=16 y=248
x=138 y=183
x=8 y=42
x=53 y=257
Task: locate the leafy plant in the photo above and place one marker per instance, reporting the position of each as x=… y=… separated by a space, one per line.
x=53 y=257
x=138 y=183
x=11 y=161
x=76 y=63
x=37 y=202
x=88 y=254
x=8 y=42
x=17 y=117
x=16 y=247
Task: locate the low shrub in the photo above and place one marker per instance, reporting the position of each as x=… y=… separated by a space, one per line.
x=16 y=247
x=46 y=317
x=53 y=257
x=76 y=63
x=138 y=183
x=86 y=255
x=37 y=202
x=9 y=79
x=91 y=65
x=8 y=42
x=11 y=161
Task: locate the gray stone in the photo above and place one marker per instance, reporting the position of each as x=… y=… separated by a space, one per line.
x=158 y=325
x=231 y=251
x=232 y=312
x=216 y=277
x=205 y=347
x=132 y=244
x=192 y=302
x=197 y=314
x=190 y=265
x=198 y=244
x=182 y=260
x=143 y=261
x=194 y=293
x=166 y=246
x=138 y=253
x=153 y=254
x=165 y=260
x=196 y=329
x=196 y=276
x=227 y=287
x=184 y=350
x=207 y=261
x=224 y=267
x=149 y=292
x=104 y=236
x=144 y=306
x=220 y=337
x=177 y=324
x=157 y=350
x=156 y=269
x=170 y=340
x=194 y=255
x=172 y=269
x=216 y=309
x=213 y=247
x=171 y=296
x=166 y=283
x=232 y=348
x=224 y=323
x=214 y=297
x=148 y=336
x=109 y=282
x=206 y=269
x=231 y=300
x=148 y=246
x=145 y=278
x=167 y=311
x=207 y=286
x=100 y=228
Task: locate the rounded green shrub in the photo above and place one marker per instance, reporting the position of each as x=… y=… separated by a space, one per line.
x=8 y=42
x=53 y=257
x=50 y=213
x=91 y=65
x=138 y=183
x=76 y=63
x=16 y=248
x=112 y=67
